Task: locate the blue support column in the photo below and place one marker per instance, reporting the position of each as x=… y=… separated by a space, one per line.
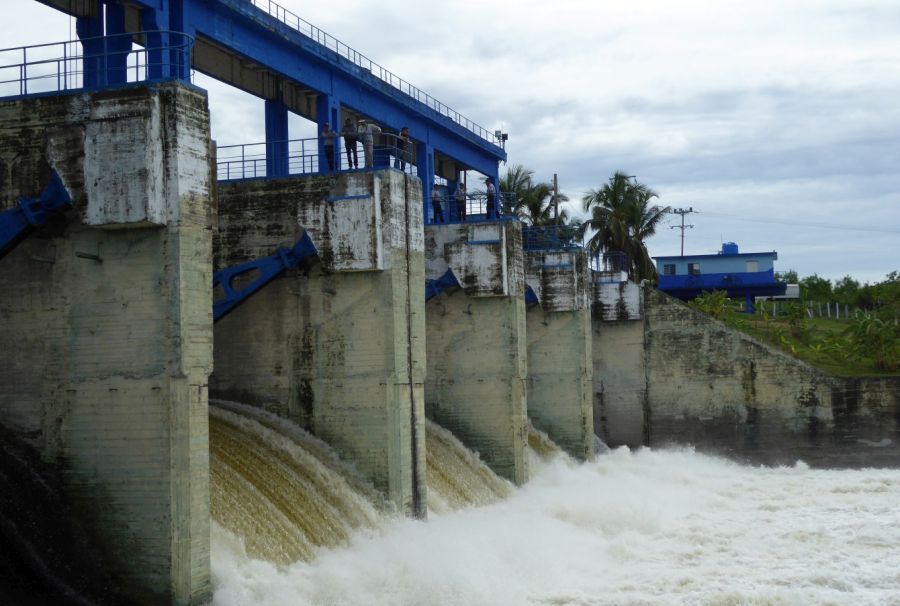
x=750 y=301
x=90 y=32
x=495 y=179
x=276 y=139
x=451 y=212
x=118 y=47
x=425 y=170
x=328 y=110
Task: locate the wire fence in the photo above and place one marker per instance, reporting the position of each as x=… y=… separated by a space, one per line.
x=359 y=60
x=93 y=63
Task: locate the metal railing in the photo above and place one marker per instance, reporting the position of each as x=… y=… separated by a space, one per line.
x=309 y=30
x=94 y=63
x=471 y=208
x=550 y=237
x=301 y=157
x=610 y=262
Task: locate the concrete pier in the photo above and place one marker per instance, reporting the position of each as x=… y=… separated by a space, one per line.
x=338 y=346
x=476 y=341
x=560 y=365
x=107 y=326
x=620 y=374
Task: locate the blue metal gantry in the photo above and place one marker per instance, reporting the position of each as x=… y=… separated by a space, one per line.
x=264 y=49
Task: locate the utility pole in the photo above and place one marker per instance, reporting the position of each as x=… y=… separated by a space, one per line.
x=555 y=199
x=682 y=227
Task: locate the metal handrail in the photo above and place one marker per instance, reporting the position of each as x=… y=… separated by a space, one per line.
x=309 y=30
x=252 y=160
x=611 y=261
x=550 y=237
x=48 y=70
x=474 y=207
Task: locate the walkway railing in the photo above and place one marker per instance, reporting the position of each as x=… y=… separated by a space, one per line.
x=94 y=63
x=612 y=261
x=550 y=237
x=330 y=42
x=252 y=160
x=471 y=208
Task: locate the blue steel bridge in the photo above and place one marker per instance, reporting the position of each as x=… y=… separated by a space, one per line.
x=261 y=48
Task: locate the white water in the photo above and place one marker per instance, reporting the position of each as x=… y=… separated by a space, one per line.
x=640 y=528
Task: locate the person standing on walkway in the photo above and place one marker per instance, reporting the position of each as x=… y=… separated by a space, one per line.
x=491 y=193
x=461 y=201
x=436 y=205
x=328 y=137
x=350 y=139
x=367 y=131
x=402 y=149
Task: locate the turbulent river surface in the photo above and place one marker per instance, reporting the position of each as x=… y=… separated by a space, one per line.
x=630 y=528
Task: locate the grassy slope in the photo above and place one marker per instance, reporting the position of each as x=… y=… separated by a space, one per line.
x=806 y=344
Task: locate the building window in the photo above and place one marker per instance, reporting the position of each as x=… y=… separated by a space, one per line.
x=693 y=269
x=752 y=266
x=669 y=269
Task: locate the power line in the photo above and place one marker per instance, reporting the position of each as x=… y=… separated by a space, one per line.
x=801 y=224
x=682 y=227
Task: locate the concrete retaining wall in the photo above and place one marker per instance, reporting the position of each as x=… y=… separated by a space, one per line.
x=476 y=342
x=685 y=378
x=560 y=365
x=339 y=346
x=107 y=325
x=719 y=389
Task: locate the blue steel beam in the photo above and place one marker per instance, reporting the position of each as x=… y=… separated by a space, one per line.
x=29 y=213
x=267 y=269
x=435 y=287
x=255 y=36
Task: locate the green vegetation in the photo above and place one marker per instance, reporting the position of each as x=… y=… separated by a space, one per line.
x=621 y=215
x=535 y=202
x=866 y=344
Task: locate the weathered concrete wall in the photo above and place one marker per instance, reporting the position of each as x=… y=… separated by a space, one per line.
x=719 y=389
x=620 y=382
x=107 y=333
x=338 y=347
x=476 y=342
x=560 y=366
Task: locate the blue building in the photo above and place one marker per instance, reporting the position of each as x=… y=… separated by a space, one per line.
x=740 y=274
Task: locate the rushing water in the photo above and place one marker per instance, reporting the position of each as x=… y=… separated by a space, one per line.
x=639 y=528
x=284 y=494
x=456 y=477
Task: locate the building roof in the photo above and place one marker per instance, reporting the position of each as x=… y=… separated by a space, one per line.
x=720 y=256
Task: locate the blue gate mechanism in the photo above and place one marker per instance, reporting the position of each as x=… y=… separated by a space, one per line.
x=29 y=213
x=268 y=269
x=435 y=287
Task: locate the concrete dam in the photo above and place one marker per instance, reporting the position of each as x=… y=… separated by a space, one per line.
x=291 y=349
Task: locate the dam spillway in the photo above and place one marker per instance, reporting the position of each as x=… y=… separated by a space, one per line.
x=122 y=219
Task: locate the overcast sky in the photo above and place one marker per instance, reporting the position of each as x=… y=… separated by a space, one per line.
x=777 y=121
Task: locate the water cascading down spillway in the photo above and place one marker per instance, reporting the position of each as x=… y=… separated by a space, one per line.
x=286 y=494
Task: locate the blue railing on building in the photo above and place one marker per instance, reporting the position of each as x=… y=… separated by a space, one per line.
x=94 y=63
x=550 y=237
x=343 y=50
x=301 y=157
x=470 y=208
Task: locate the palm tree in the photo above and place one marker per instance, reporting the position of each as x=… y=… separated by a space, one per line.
x=622 y=217
x=534 y=202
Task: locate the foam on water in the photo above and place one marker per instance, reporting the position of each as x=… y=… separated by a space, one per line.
x=646 y=527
